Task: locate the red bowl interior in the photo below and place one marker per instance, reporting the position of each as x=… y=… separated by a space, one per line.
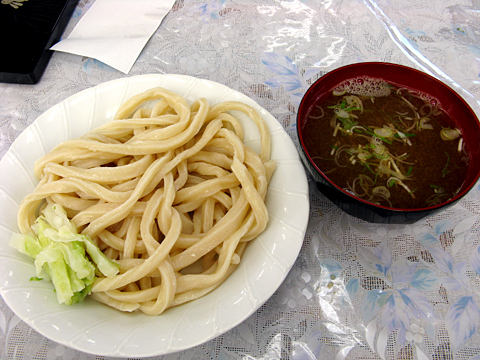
x=463 y=116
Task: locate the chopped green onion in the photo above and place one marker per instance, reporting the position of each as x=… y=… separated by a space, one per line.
x=382 y=191
x=383 y=132
x=384 y=139
x=449 y=134
x=369 y=168
x=444 y=171
x=353 y=109
x=381 y=157
x=407 y=135
x=391 y=183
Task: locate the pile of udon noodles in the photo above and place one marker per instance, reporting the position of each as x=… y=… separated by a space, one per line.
x=168 y=189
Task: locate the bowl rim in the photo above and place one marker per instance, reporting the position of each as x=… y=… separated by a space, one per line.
x=463 y=190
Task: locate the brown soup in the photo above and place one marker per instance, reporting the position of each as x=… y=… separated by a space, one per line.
x=386 y=144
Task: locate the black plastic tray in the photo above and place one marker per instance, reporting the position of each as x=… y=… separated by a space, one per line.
x=26 y=34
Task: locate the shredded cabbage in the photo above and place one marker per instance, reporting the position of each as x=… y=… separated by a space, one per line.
x=63 y=256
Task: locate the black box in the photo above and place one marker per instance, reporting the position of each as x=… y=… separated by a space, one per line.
x=28 y=28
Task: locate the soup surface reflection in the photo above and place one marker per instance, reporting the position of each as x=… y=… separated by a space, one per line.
x=386 y=144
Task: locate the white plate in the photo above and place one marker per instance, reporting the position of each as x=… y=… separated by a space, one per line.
x=97 y=329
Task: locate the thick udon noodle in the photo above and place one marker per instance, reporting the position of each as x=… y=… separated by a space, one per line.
x=167 y=189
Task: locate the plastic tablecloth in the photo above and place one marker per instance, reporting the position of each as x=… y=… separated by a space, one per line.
x=357 y=290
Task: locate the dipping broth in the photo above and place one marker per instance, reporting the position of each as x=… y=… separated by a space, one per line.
x=386 y=144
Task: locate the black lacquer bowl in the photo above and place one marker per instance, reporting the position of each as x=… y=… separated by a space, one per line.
x=456 y=107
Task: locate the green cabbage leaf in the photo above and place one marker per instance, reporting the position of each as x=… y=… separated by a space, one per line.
x=71 y=261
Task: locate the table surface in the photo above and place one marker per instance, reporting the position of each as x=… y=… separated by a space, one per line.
x=329 y=307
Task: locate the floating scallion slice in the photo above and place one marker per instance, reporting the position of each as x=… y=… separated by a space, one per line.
x=449 y=134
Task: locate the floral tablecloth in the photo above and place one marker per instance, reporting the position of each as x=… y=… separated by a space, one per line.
x=357 y=290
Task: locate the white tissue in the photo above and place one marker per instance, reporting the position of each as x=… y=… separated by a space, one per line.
x=115 y=31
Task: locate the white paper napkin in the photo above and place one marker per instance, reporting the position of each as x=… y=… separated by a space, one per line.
x=115 y=31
